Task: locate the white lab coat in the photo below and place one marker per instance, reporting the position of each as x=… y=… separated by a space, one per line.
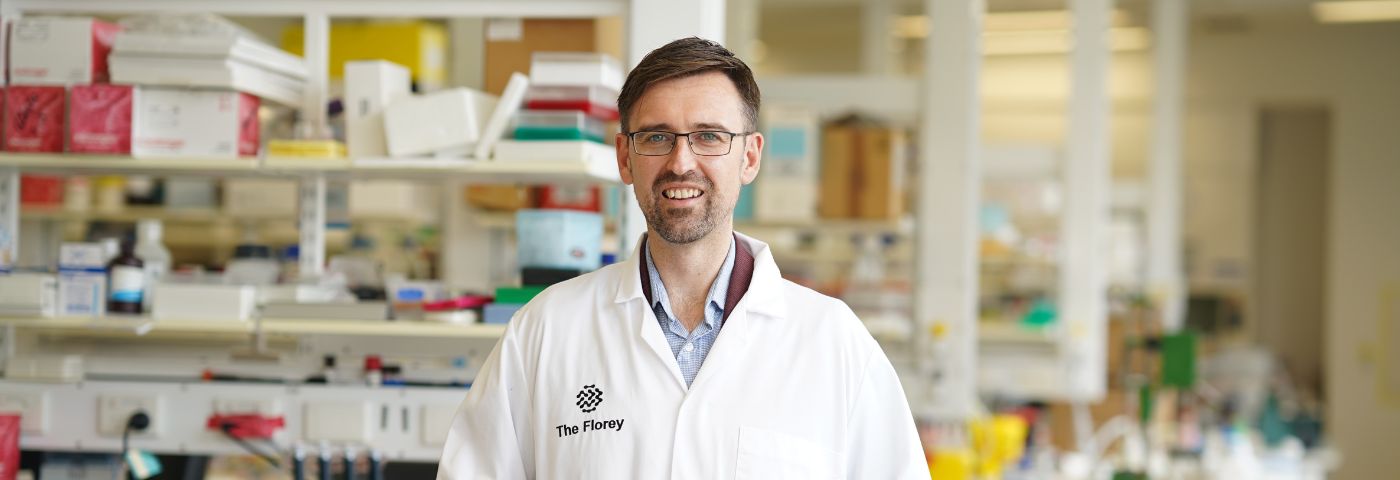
x=794 y=387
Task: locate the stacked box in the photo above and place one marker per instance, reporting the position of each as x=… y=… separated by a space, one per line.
x=862 y=172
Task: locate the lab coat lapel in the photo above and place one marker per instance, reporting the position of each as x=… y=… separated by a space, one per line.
x=763 y=299
x=631 y=300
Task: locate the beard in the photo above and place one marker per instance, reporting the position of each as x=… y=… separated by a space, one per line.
x=685 y=225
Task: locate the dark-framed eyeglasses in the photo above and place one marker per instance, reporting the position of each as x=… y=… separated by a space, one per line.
x=708 y=143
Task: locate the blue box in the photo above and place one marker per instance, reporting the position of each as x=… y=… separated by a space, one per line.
x=561 y=239
x=499 y=313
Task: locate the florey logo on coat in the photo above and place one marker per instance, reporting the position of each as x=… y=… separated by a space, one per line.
x=588 y=399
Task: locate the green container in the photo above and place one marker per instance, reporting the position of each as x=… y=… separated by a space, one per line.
x=1179 y=360
x=554 y=133
x=517 y=295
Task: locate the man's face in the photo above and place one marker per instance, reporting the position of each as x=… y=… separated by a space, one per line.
x=686 y=196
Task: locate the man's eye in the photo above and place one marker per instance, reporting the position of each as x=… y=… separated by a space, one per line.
x=709 y=137
x=655 y=138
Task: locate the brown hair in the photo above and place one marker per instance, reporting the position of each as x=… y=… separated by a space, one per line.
x=683 y=58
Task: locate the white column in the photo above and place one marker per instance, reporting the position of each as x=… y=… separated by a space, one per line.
x=1165 y=278
x=741 y=27
x=316 y=49
x=9 y=219
x=875 y=36
x=311 y=225
x=651 y=24
x=1083 y=230
x=945 y=305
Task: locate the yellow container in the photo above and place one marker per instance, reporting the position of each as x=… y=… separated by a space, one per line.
x=999 y=441
x=419 y=45
x=951 y=464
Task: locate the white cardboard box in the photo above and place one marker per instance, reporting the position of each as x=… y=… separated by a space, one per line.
x=786 y=189
x=259 y=197
x=60 y=50
x=370 y=86
x=178 y=122
x=204 y=302
x=218 y=73
x=23 y=294
x=445 y=121
x=575 y=68
x=394 y=199
x=82 y=280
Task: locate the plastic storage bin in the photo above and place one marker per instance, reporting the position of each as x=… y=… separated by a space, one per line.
x=558 y=125
x=596 y=101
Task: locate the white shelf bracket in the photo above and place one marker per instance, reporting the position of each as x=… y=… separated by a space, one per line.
x=9 y=218
x=1165 y=276
x=316 y=49
x=1083 y=277
x=311 y=225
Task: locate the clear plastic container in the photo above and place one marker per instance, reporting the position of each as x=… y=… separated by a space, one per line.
x=558 y=125
x=152 y=251
x=252 y=265
x=596 y=101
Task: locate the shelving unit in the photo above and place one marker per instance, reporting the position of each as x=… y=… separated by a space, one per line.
x=463 y=238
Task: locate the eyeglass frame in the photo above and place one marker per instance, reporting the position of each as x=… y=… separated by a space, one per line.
x=633 y=142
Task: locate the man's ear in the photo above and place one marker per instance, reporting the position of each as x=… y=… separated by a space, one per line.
x=624 y=167
x=753 y=157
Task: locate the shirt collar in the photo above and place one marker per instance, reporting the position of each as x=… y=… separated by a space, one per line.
x=719 y=290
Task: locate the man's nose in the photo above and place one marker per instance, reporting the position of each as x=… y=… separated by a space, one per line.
x=681 y=159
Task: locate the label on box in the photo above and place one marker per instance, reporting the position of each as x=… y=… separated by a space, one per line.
x=82 y=257
x=81 y=294
x=128 y=284
x=504 y=29
x=249 y=128
x=101 y=119
x=34 y=119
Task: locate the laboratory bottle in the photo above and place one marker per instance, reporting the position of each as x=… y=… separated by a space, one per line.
x=374 y=371
x=126 y=281
x=154 y=254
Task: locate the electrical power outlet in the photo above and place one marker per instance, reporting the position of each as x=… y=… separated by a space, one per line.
x=113 y=411
x=32 y=407
x=260 y=406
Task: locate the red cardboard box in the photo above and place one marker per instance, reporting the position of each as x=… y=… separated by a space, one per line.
x=41 y=190
x=34 y=119
x=9 y=446
x=100 y=119
x=569 y=197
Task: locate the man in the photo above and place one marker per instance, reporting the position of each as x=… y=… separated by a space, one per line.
x=694 y=359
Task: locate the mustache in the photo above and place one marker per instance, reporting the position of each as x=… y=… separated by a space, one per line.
x=688 y=177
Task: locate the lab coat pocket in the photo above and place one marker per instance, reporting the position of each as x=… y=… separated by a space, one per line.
x=769 y=454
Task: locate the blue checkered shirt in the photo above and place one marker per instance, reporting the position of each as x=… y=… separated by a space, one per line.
x=690 y=348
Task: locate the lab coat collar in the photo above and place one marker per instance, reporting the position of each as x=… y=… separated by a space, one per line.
x=764 y=295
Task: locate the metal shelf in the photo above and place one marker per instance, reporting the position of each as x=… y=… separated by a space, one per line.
x=337 y=8
x=112 y=164
x=469 y=171
x=139 y=326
